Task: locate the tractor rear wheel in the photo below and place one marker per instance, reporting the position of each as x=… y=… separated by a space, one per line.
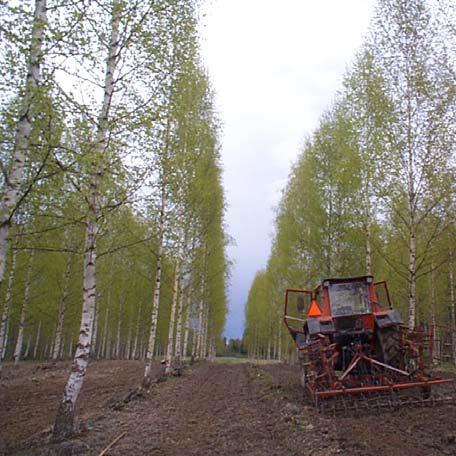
x=389 y=344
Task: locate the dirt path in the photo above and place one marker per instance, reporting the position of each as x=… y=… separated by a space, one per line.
x=216 y=409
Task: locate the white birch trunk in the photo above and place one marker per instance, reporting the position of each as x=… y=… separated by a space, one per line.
x=187 y=328
x=156 y=299
x=10 y=197
x=279 y=348
x=180 y=312
x=7 y=305
x=368 y=249
x=64 y=422
x=204 y=348
x=170 y=346
x=435 y=336
x=95 y=331
x=62 y=309
x=452 y=305
x=412 y=277
x=27 y=349
x=119 y=325
x=194 y=344
x=128 y=347
x=37 y=341
x=199 y=336
x=105 y=333
x=25 y=303
x=135 y=344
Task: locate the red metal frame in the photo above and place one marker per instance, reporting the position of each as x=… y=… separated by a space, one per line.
x=364 y=374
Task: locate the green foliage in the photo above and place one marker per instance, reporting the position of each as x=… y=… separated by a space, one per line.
x=374 y=185
x=162 y=137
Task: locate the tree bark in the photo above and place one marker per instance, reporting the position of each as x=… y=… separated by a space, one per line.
x=62 y=309
x=25 y=303
x=135 y=344
x=170 y=346
x=95 y=330
x=199 y=337
x=180 y=312
x=128 y=346
x=187 y=328
x=105 y=332
x=10 y=197
x=156 y=300
x=119 y=326
x=7 y=305
x=64 y=422
x=452 y=305
x=435 y=335
x=37 y=341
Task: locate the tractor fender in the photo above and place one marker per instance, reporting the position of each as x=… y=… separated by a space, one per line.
x=390 y=318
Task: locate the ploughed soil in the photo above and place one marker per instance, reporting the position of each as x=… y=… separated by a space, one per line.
x=211 y=409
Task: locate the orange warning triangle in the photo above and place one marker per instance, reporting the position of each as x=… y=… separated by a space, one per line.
x=314 y=310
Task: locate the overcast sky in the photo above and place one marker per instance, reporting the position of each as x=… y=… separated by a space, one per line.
x=275 y=67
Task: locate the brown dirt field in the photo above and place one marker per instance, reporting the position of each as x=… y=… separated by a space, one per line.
x=213 y=409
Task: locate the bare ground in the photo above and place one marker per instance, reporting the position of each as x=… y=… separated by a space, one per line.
x=213 y=409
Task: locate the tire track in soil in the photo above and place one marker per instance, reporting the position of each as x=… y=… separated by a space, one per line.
x=213 y=410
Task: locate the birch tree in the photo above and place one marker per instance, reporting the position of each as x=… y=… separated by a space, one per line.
x=64 y=422
x=10 y=196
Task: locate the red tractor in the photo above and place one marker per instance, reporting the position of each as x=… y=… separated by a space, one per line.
x=351 y=342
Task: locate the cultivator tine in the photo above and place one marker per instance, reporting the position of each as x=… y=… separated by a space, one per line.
x=392 y=400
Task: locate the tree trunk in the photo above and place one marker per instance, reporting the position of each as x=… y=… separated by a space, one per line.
x=135 y=344
x=452 y=305
x=435 y=335
x=64 y=422
x=368 y=249
x=412 y=277
x=187 y=328
x=105 y=333
x=206 y=332
x=27 y=349
x=279 y=348
x=20 y=336
x=180 y=312
x=62 y=309
x=170 y=346
x=70 y=349
x=119 y=326
x=199 y=337
x=128 y=347
x=95 y=331
x=194 y=344
x=7 y=305
x=10 y=197
x=156 y=300
x=37 y=341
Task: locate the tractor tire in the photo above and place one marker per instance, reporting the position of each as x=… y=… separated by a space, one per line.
x=389 y=344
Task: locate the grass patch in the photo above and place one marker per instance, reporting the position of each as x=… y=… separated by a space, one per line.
x=231 y=360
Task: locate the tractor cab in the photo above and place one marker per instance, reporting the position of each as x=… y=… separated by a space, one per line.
x=339 y=307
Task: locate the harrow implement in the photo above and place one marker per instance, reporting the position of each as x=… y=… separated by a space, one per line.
x=356 y=354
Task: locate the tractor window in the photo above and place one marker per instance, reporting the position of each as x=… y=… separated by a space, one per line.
x=297 y=306
x=349 y=298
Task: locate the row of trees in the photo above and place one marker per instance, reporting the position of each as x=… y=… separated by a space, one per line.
x=373 y=190
x=112 y=181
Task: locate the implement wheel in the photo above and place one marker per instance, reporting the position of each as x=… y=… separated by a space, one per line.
x=389 y=340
